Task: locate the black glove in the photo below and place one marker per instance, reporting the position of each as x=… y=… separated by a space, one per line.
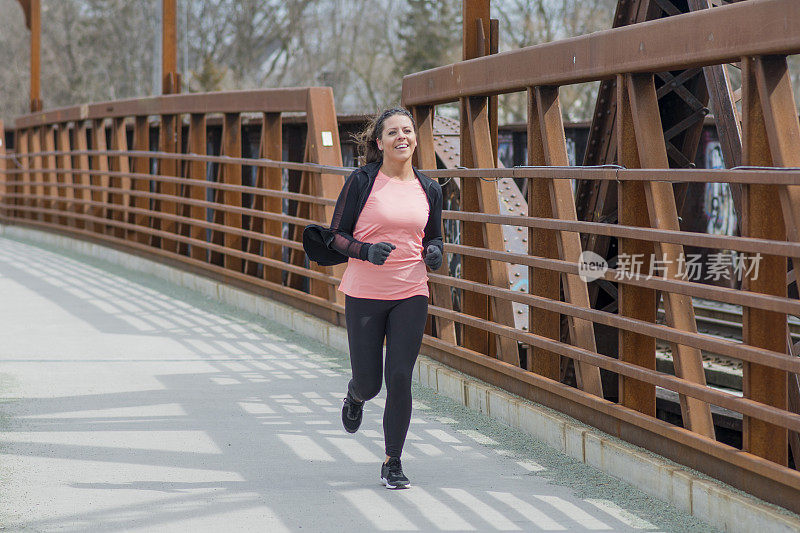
x=433 y=257
x=378 y=252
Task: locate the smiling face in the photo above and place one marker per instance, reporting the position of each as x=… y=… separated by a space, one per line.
x=398 y=140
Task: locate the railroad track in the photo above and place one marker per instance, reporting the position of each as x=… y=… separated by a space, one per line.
x=719 y=320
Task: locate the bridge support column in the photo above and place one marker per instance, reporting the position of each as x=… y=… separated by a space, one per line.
x=547 y=146
x=634 y=302
x=425 y=158
x=322 y=146
x=769 y=139
x=663 y=214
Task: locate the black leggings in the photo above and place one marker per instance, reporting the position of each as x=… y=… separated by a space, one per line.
x=402 y=323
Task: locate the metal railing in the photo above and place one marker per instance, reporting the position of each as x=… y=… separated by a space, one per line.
x=479 y=338
x=137 y=173
x=239 y=219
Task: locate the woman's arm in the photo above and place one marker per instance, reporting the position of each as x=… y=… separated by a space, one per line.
x=433 y=229
x=343 y=222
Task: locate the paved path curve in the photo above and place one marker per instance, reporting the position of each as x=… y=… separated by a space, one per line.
x=132 y=405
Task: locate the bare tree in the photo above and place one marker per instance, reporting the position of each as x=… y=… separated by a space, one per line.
x=95 y=50
x=14 y=62
x=241 y=43
x=529 y=22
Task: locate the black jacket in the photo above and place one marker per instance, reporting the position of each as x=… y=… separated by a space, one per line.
x=353 y=198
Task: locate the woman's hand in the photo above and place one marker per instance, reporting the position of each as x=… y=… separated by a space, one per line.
x=378 y=252
x=433 y=257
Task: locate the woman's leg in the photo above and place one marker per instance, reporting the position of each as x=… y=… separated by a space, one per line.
x=366 y=329
x=404 y=329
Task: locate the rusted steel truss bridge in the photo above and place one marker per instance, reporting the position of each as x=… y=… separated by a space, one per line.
x=223 y=183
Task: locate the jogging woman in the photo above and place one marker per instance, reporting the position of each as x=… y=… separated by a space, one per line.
x=388 y=222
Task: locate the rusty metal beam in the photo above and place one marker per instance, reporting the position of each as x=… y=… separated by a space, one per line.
x=100 y=164
x=759 y=326
x=541 y=243
x=197 y=171
x=491 y=235
x=66 y=177
x=33 y=20
x=270 y=147
x=545 y=111
x=425 y=156
x=36 y=163
x=232 y=175
x=170 y=83
x=769 y=139
x=168 y=142
x=633 y=301
x=121 y=164
x=474 y=14
x=663 y=214
x=783 y=137
x=35 y=25
x=683 y=41
x=141 y=165
x=261 y=100
x=81 y=142
x=322 y=146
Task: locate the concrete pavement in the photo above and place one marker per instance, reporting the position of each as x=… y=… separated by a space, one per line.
x=133 y=405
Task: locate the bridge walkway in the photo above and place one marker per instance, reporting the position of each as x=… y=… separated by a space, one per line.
x=130 y=404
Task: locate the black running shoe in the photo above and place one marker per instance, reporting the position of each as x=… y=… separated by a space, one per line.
x=392 y=474
x=352 y=413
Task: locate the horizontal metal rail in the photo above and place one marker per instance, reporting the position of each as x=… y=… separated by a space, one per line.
x=163 y=216
x=703 y=240
x=739 y=175
x=166 y=197
x=245 y=189
x=257 y=101
x=734 y=349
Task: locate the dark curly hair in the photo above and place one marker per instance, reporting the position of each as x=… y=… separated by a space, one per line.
x=366 y=139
